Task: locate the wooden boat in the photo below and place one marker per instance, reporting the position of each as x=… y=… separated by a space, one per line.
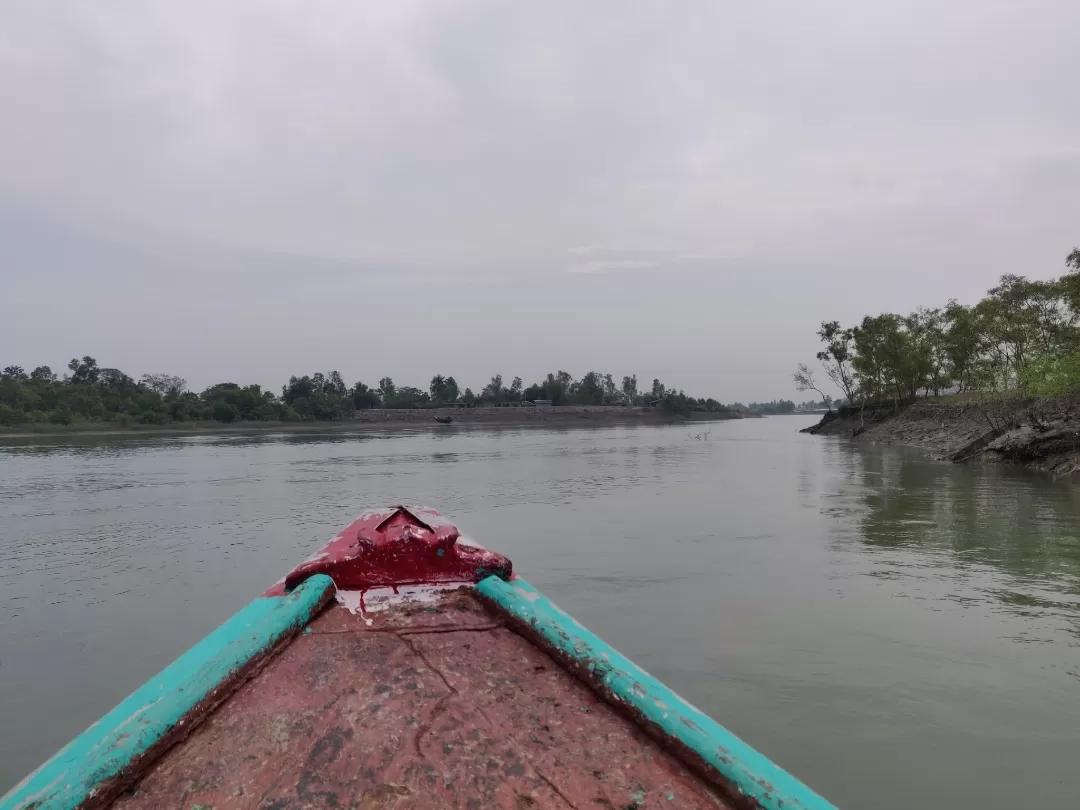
x=405 y=667
x=444 y=420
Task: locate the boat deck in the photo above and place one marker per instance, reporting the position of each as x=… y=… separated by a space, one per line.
x=423 y=701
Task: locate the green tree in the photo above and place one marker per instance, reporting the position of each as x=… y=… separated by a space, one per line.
x=928 y=329
x=85 y=371
x=409 y=397
x=590 y=390
x=335 y=385
x=225 y=411
x=451 y=391
x=804 y=381
x=963 y=344
x=892 y=357
x=443 y=389
x=493 y=391
x=609 y=388
x=42 y=374
x=319 y=396
x=251 y=403
x=165 y=385
x=364 y=397
x=773 y=408
x=1070 y=282
x=1021 y=329
x=387 y=392
x=1023 y=319
x=298 y=388
x=838 y=356
x=675 y=402
x=555 y=387
x=1052 y=375
x=437 y=387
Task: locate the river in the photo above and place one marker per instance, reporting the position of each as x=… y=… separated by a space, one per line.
x=895 y=631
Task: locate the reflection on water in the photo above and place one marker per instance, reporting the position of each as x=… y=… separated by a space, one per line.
x=891 y=629
x=1002 y=536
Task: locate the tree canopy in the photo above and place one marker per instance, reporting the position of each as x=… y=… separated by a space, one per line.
x=1022 y=337
x=90 y=393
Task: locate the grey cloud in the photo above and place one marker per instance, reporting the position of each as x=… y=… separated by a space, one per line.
x=605 y=265
x=693 y=174
x=603 y=259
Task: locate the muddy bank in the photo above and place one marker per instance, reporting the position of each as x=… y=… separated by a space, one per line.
x=577 y=415
x=1043 y=435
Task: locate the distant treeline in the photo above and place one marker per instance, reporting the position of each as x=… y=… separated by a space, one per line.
x=89 y=393
x=1023 y=338
x=782 y=406
x=777 y=406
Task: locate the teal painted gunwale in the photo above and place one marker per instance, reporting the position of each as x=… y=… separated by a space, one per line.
x=148 y=714
x=751 y=772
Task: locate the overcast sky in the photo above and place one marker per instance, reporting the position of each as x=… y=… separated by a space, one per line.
x=248 y=190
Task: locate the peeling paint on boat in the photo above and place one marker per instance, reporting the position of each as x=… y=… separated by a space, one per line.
x=397 y=546
x=744 y=771
x=97 y=764
x=374 y=600
x=465 y=540
x=529 y=596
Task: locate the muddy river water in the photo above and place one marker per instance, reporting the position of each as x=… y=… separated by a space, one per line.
x=895 y=631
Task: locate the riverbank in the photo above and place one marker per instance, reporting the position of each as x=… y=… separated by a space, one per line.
x=1040 y=434
x=375 y=418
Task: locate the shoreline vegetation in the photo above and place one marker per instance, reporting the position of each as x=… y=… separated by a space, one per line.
x=997 y=381
x=572 y=416
x=90 y=398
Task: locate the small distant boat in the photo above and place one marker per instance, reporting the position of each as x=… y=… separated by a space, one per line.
x=444 y=420
x=404 y=666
